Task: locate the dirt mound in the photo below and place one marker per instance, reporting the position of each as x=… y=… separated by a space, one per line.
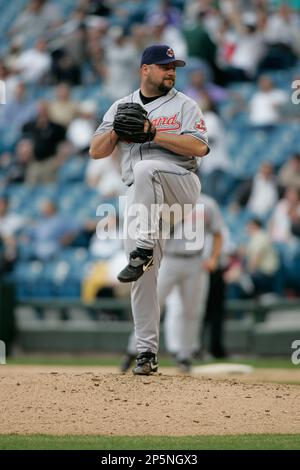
x=64 y=400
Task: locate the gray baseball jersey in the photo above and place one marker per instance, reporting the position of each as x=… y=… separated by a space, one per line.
x=172 y=113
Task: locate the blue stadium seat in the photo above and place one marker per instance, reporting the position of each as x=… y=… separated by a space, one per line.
x=78 y=93
x=45 y=191
x=29 y=279
x=76 y=257
x=36 y=197
x=245 y=90
x=64 y=274
x=73 y=170
x=281 y=78
x=8 y=138
x=70 y=197
x=290 y=260
x=55 y=274
x=19 y=196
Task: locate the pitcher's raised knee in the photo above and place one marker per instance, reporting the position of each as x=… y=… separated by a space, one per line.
x=144 y=168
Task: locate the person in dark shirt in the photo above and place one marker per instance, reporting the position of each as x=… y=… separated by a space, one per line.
x=45 y=135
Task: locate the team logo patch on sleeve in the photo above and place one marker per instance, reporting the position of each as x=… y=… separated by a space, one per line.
x=200 y=125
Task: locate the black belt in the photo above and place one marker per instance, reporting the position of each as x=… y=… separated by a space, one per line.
x=183 y=255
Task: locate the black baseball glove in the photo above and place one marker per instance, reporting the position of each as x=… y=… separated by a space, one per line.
x=131 y=123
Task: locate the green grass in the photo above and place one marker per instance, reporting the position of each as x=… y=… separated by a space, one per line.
x=65 y=360
x=236 y=442
x=114 y=360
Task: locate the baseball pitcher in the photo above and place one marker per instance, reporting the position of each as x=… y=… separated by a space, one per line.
x=160 y=133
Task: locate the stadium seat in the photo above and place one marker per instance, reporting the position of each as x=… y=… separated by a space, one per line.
x=73 y=170
x=29 y=280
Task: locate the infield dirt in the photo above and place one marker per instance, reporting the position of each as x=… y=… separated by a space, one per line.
x=98 y=400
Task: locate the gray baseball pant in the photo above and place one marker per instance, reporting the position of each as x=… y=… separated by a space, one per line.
x=185 y=305
x=156 y=182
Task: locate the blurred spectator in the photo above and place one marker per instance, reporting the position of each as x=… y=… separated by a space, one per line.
x=62 y=110
x=15 y=166
x=104 y=175
x=64 y=68
x=6 y=161
x=38 y=17
x=289 y=174
x=10 y=223
x=65 y=151
x=285 y=211
x=264 y=105
x=282 y=35
x=14 y=51
x=19 y=109
x=10 y=80
x=122 y=65
x=295 y=226
x=248 y=50
x=106 y=245
x=259 y=194
x=106 y=241
x=225 y=38
x=254 y=269
x=162 y=33
x=263 y=195
x=96 y=47
x=165 y=9
x=215 y=305
x=206 y=9
x=282 y=26
x=71 y=37
x=82 y=128
x=262 y=260
x=139 y=37
x=97 y=7
x=215 y=168
x=199 y=44
x=34 y=64
x=45 y=136
x=50 y=233
x=238 y=282
x=199 y=87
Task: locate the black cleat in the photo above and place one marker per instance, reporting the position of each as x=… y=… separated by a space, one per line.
x=139 y=262
x=127 y=363
x=146 y=364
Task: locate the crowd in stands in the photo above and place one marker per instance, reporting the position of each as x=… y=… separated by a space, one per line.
x=63 y=64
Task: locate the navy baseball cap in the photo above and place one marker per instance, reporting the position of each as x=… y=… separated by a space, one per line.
x=160 y=55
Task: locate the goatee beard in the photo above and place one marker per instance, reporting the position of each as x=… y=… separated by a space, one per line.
x=164 y=88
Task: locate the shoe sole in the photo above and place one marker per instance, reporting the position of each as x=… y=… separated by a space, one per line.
x=133 y=279
x=153 y=371
x=122 y=279
x=127 y=279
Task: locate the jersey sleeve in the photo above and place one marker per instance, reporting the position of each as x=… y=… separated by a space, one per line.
x=107 y=123
x=193 y=122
